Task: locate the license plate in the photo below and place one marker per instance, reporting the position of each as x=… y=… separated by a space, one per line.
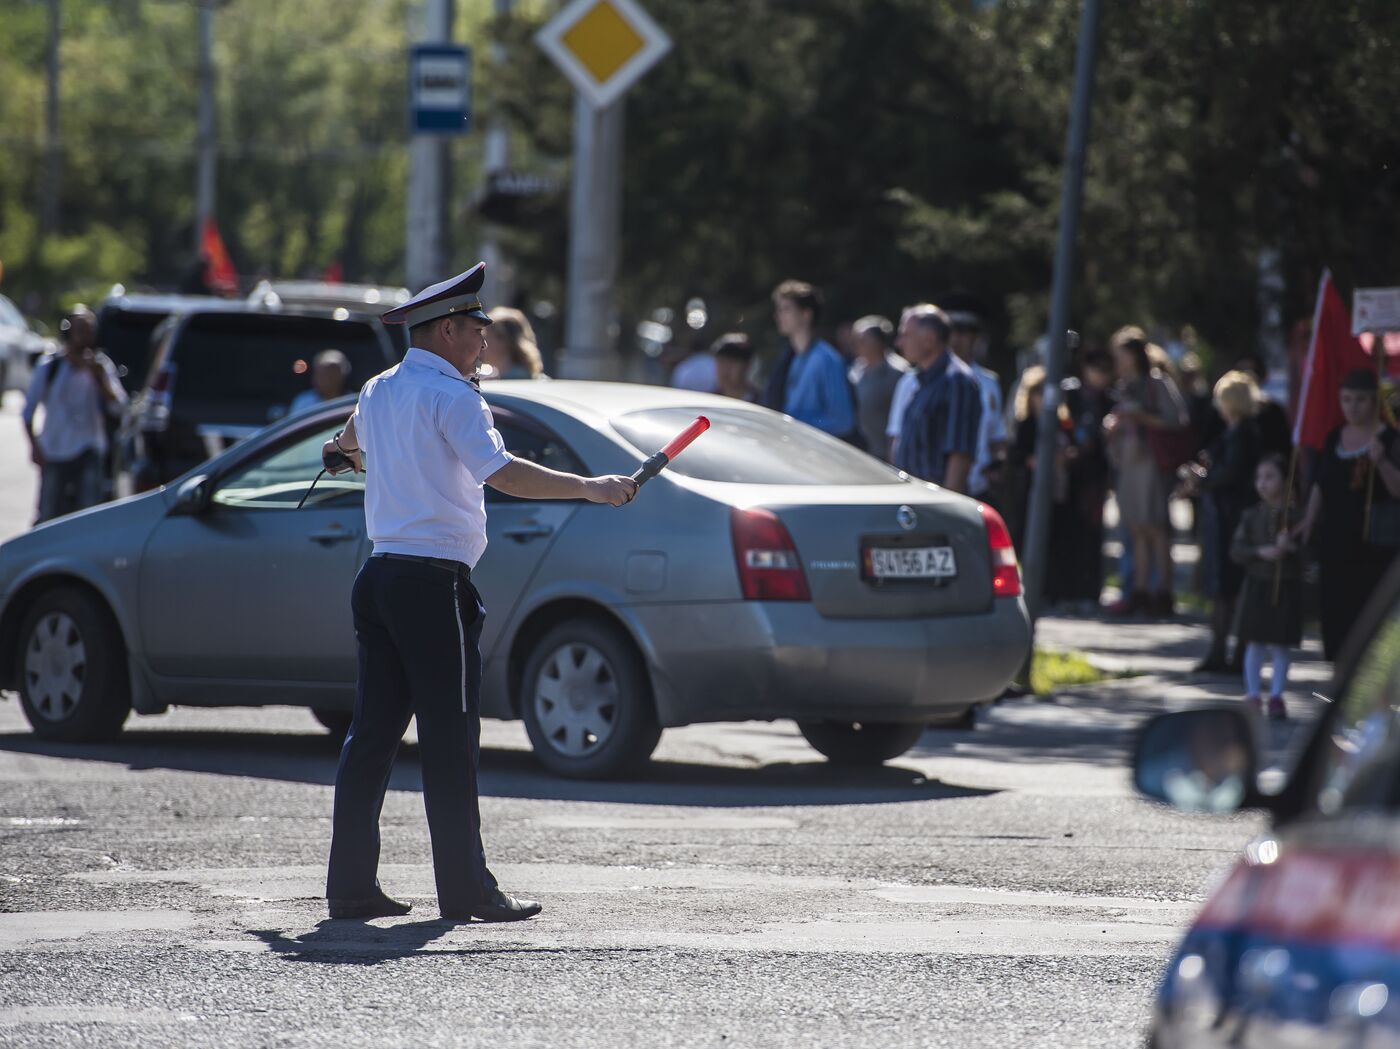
x=911 y=562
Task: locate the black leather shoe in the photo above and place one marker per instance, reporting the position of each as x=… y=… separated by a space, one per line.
x=498 y=907
x=379 y=906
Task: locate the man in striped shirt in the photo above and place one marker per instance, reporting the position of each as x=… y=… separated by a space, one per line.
x=938 y=439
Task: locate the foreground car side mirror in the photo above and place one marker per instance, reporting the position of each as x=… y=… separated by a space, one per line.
x=1202 y=760
x=193 y=497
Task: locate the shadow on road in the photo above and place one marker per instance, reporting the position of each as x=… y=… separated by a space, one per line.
x=342 y=942
x=508 y=773
x=1083 y=730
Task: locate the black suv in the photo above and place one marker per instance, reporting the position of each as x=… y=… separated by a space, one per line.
x=218 y=376
x=125 y=324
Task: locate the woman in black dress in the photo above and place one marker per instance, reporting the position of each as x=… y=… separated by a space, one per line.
x=1359 y=458
x=1089 y=399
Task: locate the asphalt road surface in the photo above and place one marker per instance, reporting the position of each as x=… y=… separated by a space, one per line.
x=997 y=887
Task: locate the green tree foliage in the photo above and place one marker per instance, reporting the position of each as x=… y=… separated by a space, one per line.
x=893 y=149
x=889 y=150
x=311 y=106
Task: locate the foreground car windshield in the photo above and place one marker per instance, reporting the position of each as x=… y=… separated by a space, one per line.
x=749 y=447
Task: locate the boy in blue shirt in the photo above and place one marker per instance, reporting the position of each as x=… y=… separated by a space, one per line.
x=809 y=382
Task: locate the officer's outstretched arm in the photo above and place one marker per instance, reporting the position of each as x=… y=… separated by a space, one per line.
x=527 y=480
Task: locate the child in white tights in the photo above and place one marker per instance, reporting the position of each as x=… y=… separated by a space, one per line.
x=1271 y=618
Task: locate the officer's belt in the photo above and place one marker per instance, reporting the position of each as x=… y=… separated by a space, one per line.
x=447 y=564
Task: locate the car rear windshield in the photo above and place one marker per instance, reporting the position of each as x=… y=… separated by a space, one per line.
x=753 y=447
x=125 y=336
x=248 y=367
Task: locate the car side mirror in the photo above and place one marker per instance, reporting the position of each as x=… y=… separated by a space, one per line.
x=193 y=497
x=1203 y=760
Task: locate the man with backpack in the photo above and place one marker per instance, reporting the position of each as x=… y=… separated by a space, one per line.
x=78 y=388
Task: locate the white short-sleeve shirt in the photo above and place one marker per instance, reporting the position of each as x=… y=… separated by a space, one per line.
x=429 y=446
x=73 y=407
x=990 y=430
x=904 y=391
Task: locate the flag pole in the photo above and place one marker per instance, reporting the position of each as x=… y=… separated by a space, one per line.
x=1308 y=367
x=1378 y=355
x=1287 y=503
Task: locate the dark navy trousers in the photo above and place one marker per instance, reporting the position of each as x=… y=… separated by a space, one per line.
x=418 y=627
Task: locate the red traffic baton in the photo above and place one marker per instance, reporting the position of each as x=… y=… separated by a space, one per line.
x=679 y=443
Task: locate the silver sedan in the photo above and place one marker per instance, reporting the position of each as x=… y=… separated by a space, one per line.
x=770 y=572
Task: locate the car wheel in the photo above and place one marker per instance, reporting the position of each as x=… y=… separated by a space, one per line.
x=72 y=669
x=586 y=702
x=337 y=722
x=860 y=743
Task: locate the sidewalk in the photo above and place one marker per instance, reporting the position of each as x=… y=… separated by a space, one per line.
x=1167 y=649
x=1160 y=656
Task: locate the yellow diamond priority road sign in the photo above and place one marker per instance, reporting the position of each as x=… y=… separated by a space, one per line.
x=603 y=46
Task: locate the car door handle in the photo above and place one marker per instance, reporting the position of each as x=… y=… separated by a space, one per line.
x=523 y=533
x=333 y=535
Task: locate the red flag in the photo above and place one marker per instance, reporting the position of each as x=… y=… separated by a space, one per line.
x=219 y=274
x=1333 y=352
x=333 y=274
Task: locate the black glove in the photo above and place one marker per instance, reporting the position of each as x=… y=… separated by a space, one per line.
x=336 y=461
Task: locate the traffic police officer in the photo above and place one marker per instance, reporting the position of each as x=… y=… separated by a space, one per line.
x=429 y=444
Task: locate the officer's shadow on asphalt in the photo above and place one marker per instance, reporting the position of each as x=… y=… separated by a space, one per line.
x=344 y=942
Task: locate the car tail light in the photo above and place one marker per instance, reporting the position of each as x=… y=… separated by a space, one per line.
x=769 y=568
x=1006 y=576
x=160 y=382
x=153 y=410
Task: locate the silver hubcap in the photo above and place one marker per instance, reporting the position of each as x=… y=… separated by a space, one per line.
x=576 y=697
x=55 y=665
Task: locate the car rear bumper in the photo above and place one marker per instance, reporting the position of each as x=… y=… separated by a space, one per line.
x=762 y=660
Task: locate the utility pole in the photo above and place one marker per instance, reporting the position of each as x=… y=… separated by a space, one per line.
x=497 y=160
x=425 y=257
x=595 y=226
x=49 y=192
x=1071 y=196
x=205 y=140
x=583 y=39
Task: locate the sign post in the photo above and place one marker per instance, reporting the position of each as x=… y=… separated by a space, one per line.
x=1375 y=310
x=440 y=89
x=1071 y=196
x=603 y=47
x=439 y=93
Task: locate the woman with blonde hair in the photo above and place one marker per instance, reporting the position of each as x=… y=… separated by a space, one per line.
x=511 y=352
x=1224 y=474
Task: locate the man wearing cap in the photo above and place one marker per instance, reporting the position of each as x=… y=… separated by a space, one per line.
x=330 y=374
x=429 y=444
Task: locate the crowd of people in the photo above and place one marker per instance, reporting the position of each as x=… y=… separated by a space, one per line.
x=1136 y=430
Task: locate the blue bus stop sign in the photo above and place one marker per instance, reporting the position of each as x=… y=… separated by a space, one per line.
x=440 y=89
